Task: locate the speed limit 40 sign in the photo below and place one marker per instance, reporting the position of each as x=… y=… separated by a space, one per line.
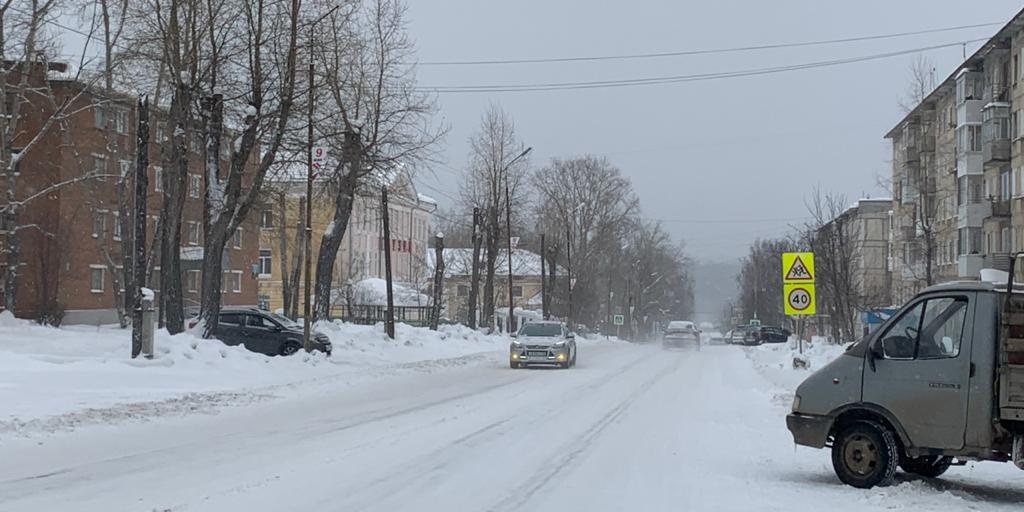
x=799 y=299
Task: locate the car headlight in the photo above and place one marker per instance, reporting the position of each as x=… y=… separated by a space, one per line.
x=796 y=403
x=517 y=345
x=560 y=344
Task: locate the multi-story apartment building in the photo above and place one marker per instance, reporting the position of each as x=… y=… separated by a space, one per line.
x=71 y=256
x=361 y=255
x=956 y=170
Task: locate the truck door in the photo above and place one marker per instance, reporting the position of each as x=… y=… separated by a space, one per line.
x=921 y=369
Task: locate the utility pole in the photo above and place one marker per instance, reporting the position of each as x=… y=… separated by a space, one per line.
x=474 y=277
x=389 y=315
x=543 y=281
x=307 y=342
x=508 y=229
x=568 y=260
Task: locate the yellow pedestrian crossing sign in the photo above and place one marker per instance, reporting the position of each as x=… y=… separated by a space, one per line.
x=798 y=267
x=799 y=299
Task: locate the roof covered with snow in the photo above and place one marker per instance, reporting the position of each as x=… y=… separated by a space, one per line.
x=459 y=262
x=373 y=292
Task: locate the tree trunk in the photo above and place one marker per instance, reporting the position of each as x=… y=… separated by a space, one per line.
x=282 y=247
x=435 y=309
x=300 y=253
x=330 y=242
x=138 y=238
x=474 y=278
x=216 y=217
x=493 y=233
x=174 y=179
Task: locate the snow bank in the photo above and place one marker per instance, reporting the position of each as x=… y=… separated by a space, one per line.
x=374 y=292
x=776 y=362
x=57 y=378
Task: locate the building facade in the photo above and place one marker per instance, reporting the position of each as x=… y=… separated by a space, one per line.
x=956 y=170
x=361 y=255
x=71 y=237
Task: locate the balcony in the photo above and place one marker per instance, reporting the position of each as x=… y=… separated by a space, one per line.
x=1001 y=208
x=996 y=150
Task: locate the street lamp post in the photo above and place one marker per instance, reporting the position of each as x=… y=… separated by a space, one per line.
x=308 y=264
x=508 y=229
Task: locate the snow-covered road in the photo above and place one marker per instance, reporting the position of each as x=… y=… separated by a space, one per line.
x=632 y=427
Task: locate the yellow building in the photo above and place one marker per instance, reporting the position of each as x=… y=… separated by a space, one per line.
x=526 y=282
x=361 y=255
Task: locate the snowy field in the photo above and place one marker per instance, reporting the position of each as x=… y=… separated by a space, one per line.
x=435 y=424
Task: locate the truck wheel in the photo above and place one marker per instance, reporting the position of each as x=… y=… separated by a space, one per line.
x=928 y=466
x=865 y=454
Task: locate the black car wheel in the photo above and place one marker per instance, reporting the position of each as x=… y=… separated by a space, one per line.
x=290 y=347
x=927 y=466
x=865 y=454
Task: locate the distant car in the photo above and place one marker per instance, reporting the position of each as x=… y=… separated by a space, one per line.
x=681 y=333
x=765 y=334
x=738 y=335
x=543 y=343
x=264 y=332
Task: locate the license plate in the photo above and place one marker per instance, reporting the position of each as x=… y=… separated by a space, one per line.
x=537 y=354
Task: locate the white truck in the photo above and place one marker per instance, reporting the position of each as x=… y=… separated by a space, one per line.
x=939 y=383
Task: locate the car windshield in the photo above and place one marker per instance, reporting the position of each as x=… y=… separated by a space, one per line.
x=541 y=330
x=286 y=322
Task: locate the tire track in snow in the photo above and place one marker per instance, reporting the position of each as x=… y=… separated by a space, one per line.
x=522 y=494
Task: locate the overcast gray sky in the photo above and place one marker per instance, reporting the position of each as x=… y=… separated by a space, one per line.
x=746 y=151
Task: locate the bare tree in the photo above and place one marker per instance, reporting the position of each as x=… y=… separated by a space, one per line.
x=24 y=88
x=760 y=280
x=261 y=45
x=588 y=200
x=920 y=82
x=492 y=166
x=833 y=238
x=385 y=122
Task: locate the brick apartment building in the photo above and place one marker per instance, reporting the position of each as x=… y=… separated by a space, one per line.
x=68 y=259
x=958 y=160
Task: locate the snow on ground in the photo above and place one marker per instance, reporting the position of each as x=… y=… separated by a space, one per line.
x=59 y=378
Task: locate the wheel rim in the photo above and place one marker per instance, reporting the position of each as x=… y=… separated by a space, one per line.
x=290 y=349
x=860 y=455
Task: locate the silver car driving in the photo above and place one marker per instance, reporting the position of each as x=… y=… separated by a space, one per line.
x=543 y=343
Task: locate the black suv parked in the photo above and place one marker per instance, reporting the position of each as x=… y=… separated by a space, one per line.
x=766 y=334
x=265 y=332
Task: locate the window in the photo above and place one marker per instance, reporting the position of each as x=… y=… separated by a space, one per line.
x=96 y=277
x=160 y=133
x=517 y=291
x=126 y=168
x=266 y=218
x=193 y=233
x=117 y=225
x=463 y=290
x=259 y=322
x=192 y=280
x=232 y=281
x=158 y=179
x=236 y=239
x=99 y=164
x=1007 y=243
x=99 y=223
x=230 y=319
x=194 y=186
x=266 y=264
x=99 y=116
x=932 y=329
x=1004 y=188
x=121 y=120
x=196 y=142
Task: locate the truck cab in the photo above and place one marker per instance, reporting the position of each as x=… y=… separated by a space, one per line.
x=933 y=385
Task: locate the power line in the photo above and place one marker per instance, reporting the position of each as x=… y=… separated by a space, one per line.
x=656 y=55
x=600 y=84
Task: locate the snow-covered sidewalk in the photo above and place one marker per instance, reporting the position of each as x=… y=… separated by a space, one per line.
x=56 y=379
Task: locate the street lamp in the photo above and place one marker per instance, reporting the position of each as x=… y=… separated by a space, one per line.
x=508 y=230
